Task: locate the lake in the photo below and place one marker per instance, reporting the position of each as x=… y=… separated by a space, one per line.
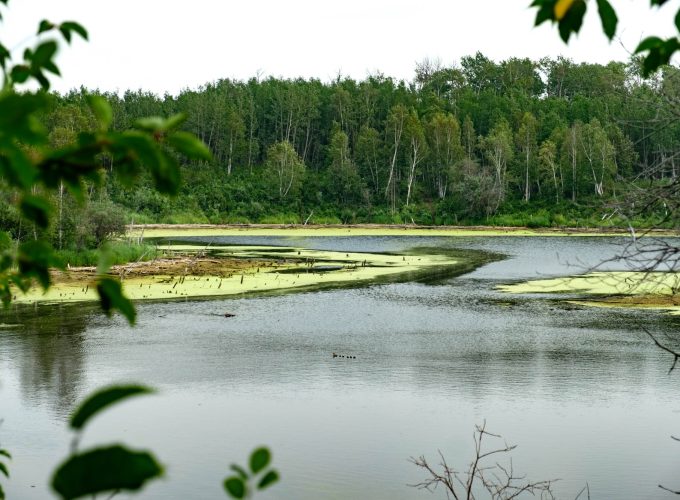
x=582 y=391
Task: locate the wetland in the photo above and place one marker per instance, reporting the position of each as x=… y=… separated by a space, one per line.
x=433 y=347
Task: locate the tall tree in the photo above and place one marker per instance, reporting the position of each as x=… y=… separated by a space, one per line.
x=344 y=182
x=549 y=167
x=285 y=168
x=498 y=150
x=417 y=149
x=446 y=150
x=526 y=140
x=395 y=130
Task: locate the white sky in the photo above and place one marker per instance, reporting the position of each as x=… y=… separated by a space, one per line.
x=167 y=45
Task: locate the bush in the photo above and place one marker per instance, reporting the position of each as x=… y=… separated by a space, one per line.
x=103 y=221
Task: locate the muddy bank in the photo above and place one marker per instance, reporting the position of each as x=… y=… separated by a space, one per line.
x=173 y=266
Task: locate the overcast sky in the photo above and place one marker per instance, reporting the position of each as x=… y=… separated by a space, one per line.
x=167 y=45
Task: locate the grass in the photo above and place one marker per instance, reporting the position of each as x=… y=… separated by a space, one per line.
x=117 y=253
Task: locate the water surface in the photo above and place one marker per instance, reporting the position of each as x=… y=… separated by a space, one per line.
x=582 y=391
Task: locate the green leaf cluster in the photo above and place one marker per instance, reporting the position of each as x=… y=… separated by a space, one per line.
x=259 y=477
x=568 y=15
x=4 y=470
x=33 y=168
x=103 y=469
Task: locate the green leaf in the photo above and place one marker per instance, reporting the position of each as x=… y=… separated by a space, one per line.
x=546 y=12
x=572 y=20
x=36 y=209
x=111 y=297
x=105 y=260
x=235 y=486
x=42 y=80
x=20 y=283
x=4 y=56
x=3 y=469
x=18 y=119
x=259 y=460
x=44 y=53
x=17 y=167
x=240 y=471
x=648 y=43
x=5 y=244
x=151 y=124
x=45 y=25
x=269 y=478
x=105 y=469
x=166 y=174
x=35 y=259
x=103 y=399
x=20 y=73
x=101 y=109
x=608 y=18
x=68 y=27
x=2 y=492
x=52 y=68
x=5 y=453
x=561 y=8
x=175 y=121
x=132 y=147
x=659 y=52
x=189 y=145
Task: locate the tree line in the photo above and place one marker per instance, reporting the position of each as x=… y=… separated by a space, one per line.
x=546 y=142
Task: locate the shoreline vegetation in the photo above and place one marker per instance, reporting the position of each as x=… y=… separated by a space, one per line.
x=178 y=230
x=183 y=271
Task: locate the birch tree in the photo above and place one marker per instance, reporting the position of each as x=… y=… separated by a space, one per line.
x=499 y=151
x=285 y=169
x=417 y=149
x=395 y=129
x=446 y=150
x=550 y=168
x=526 y=140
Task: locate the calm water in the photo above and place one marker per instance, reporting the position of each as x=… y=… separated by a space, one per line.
x=582 y=391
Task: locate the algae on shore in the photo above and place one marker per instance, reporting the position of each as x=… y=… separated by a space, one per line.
x=169 y=231
x=259 y=269
x=603 y=283
x=648 y=290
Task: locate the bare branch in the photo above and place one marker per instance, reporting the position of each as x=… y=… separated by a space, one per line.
x=669 y=490
x=675 y=354
x=499 y=480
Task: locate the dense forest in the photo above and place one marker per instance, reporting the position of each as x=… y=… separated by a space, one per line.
x=519 y=142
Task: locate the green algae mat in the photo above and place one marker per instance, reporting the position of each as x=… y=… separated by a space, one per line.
x=171 y=231
x=648 y=290
x=235 y=270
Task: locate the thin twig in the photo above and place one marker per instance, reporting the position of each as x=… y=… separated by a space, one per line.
x=676 y=355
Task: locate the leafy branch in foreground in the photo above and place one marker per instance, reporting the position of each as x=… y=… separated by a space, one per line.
x=499 y=481
x=113 y=468
x=32 y=168
x=243 y=484
x=4 y=456
x=568 y=15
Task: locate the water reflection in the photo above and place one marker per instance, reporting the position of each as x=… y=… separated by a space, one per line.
x=46 y=346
